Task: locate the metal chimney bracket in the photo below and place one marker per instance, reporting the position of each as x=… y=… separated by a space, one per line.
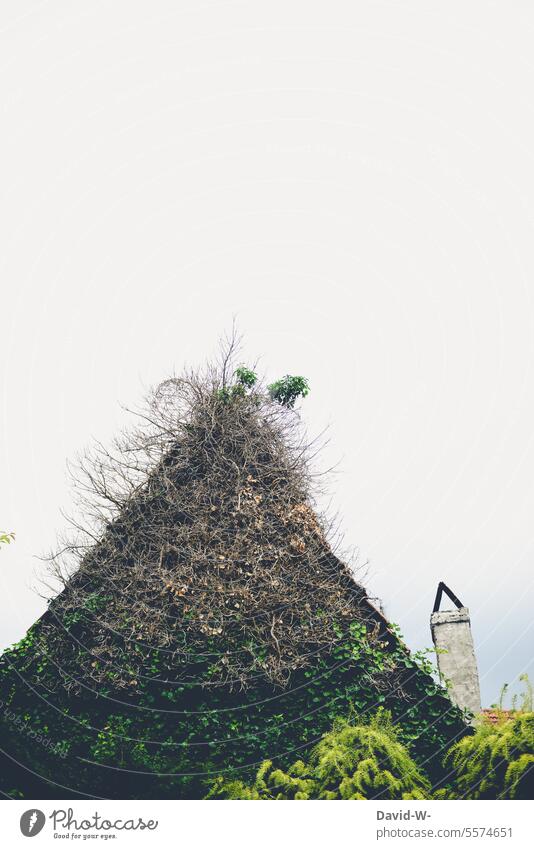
x=443 y=588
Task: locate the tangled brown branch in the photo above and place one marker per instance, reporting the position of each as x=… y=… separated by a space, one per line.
x=203 y=547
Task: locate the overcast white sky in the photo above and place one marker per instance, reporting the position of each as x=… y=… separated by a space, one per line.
x=356 y=182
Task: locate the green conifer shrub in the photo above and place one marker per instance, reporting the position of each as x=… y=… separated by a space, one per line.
x=496 y=762
x=352 y=761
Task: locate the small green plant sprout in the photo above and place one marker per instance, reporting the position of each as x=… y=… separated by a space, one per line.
x=6 y=538
x=522 y=702
x=288 y=389
x=527 y=696
x=246 y=377
x=502 y=696
x=245 y=380
x=424 y=659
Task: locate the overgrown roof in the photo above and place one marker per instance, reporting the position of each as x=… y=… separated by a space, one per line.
x=205 y=569
x=209 y=547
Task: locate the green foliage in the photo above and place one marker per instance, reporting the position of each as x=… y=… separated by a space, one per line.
x=527 y=700
x=231 y=393
x=288 y=389
x=6 y=538
x=353 y=761
x=269 y=783
x=496 y=762
x=502 y=697
x=523 y=701
x=110 y=741
x=96 y=602
x=246 y=377
x=175 y=735
x=285 y=391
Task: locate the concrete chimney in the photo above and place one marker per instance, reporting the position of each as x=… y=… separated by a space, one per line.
x=457 y=665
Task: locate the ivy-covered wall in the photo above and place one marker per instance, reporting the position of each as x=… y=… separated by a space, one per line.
x=169 y=740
